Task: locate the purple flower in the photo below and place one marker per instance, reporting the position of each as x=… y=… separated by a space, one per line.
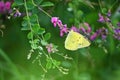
x=102 y=32
x=109 y=13
x=63 y=30
x=82 y=29
x=51 y=48
x=101 y=18
x=54 y=20
x=94 y=36
x=88 y=27
x=2 y=8
x=118 y=24
x=107 y=19
x=17 y=14
x=117 y=33
x=59 y=22
x=74 y=29
x=7 y=5
x=103 y=37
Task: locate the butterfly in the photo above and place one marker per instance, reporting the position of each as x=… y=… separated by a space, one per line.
x=75 y=41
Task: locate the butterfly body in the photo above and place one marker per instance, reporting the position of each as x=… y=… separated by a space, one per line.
x=75 y=41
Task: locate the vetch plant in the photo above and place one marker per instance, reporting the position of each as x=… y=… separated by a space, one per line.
x=80 y=34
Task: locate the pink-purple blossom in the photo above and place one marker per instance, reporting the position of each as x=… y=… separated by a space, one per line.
x=88 y=30
x=63 y=30
x=118 y=24
x=94 y=36
x=7 y=5
x=82 y=29
x=17 y=14
x=117 y=33
x=51 y=48
x=4 y=7
x=74 y=29
x=57 y=22
x=54 y=20
x=101 y=18
x=109 y=13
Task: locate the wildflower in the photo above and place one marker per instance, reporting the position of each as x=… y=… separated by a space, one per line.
x=103 y=36
x=82 y=29
x=63 y=30
x=60 y=23
x=74 y=29
x=54 y=20
x=94 y=36
x=51 y=48
x=101 y=18
x=7 y=5
x=103 y=33
x=117 y=33
x=4 y=7
x=109 y=13
x=88 y=30
x=107 y=19
x=118 y=24
x=17 y=14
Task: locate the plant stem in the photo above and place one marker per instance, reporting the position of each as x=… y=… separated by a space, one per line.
x=25 y=4
x=41 y=9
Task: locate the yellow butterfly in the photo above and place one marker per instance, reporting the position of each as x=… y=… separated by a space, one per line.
x=75 y=41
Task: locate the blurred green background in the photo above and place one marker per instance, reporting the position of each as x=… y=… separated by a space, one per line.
x=99 y=65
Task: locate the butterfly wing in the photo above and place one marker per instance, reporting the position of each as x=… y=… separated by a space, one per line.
x=84 y=42
x=75 y=40
x=70 y=42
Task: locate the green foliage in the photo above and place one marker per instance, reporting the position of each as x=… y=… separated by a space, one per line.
x=19 y=2
x=47 y=36
x=98 y=62
x=47 y=4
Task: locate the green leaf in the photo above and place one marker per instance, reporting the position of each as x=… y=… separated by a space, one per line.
x=19 y=2
x=25 y=28
x=57 y=63
x=33 y=18
x=41 y=31
x=35 y=28
x=49 y=63
x=30 y=5
x=30 y=35
x=47 y=36
x=79 y=13
x=24 y=23
x=104 y=10
x=34 y=46
x=36 y=41
x=38 y=2
x=43 y=42
x=99 y=41
x=14 y=5
x=47 y=4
